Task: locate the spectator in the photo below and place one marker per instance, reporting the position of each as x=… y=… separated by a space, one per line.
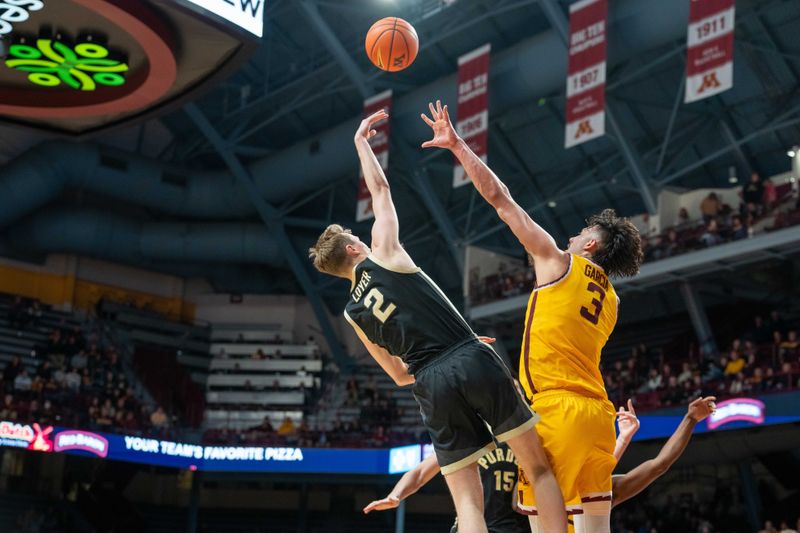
x=739 y=229
x=653 y=383
x=302 y=372
x=23 y=381
x=79 y=360
x=12 y=369
x=760 y=332
x=768 y=527
x=785 y=528
x=737 y=385
x=776 y=322
x=683 y=219
x=753 y=194
x=710 y=207
x=287 y=428
x=788 y=349
x=259 y=355
x=686 y=373
x=711 y=235
x=159 y=418
x=735 y=364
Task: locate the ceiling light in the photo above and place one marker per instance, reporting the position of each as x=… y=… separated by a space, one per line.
x=791 y=153
x=551 y=204
x=733 y=179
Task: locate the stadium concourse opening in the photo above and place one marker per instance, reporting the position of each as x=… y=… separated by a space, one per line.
x=274 y=266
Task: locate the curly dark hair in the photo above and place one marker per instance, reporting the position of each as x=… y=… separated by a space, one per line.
x=620 y=252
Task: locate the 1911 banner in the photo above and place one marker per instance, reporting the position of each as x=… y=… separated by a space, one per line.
x=472 y=123
x=380 y=146
x=586 y=72
x=709 y=66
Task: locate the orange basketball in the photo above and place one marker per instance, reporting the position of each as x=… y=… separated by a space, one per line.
x=392 y=44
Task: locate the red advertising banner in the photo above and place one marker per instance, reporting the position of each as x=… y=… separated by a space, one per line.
x=586 y=71
x=380 y=146
x=472 y=122
x=709 y=65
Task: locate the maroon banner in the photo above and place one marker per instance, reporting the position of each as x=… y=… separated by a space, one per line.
x=586 y=71
x=709 y=65
x=380 y=146
x=472 y=122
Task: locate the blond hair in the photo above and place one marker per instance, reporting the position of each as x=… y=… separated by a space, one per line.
x=329 y=254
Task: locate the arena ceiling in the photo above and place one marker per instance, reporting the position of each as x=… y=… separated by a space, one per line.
x=286 y=118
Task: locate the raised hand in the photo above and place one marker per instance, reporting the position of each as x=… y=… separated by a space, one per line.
x=444 y=135
x=627 y=422
x=701 y=408
x=390 y=502
x=365 y=130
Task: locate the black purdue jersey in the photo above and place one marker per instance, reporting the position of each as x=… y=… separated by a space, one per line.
x=404 y=312
x=498 y=470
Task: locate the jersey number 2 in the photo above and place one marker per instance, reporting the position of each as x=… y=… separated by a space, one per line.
x=376 y=297
x=597 y=304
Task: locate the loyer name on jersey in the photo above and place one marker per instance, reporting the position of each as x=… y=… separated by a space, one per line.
x=597 y=275
x=495 y=456
x=358 y=292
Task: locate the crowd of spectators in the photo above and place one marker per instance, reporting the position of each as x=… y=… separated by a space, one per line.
x=766 y=358
x=719 y=223
x=374 y=411
x=78 y=381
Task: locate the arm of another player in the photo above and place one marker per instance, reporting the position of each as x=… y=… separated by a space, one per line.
x=410 y=483
x=386 y=229
x=628 y=425
x=629 y=485
x=392 y=365
x=549 y=260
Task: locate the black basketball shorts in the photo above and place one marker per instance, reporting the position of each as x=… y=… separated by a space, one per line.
x=468 y=399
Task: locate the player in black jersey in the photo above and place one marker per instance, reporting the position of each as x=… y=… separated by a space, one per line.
x=498 y=470
x=417 y=336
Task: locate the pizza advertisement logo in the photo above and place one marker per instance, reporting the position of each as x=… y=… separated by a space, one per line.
x=738 y=409
x=83 y=67
x=83 y=441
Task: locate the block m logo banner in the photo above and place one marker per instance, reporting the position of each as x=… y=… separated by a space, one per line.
x=380 y=146
x=586 y=71
x=709 y=65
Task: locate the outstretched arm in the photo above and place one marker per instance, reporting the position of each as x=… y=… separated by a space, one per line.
x=638 y=479
x=410 y=483
x=385 y=229
x=549 y=261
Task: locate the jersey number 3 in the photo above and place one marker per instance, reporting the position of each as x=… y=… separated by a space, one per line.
x=376 y=297
x=593 y=316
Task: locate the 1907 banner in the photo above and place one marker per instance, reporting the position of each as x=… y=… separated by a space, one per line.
x=472 y=123
x=586 y=71
x=709 y=65
x=380 y=146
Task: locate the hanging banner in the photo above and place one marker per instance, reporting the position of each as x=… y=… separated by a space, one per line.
x=380 y=146
x=709 y=65
x=586 y=71
x=472 y=122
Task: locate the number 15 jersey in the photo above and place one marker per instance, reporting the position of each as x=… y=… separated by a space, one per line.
x=405 y=312
x=567 y=324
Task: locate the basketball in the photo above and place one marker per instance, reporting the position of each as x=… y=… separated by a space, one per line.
x=392 y=44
